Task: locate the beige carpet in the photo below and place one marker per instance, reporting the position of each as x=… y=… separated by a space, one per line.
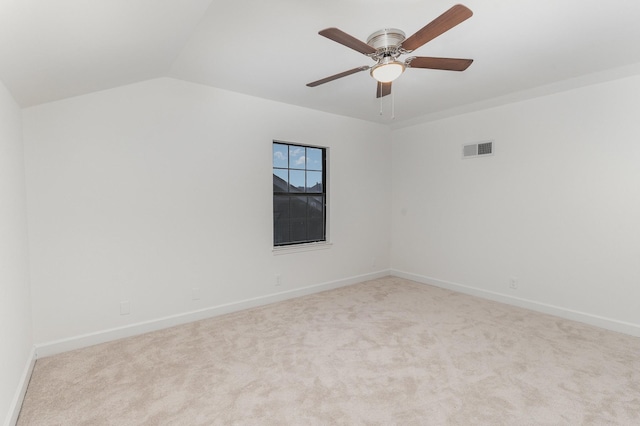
x=383 y=352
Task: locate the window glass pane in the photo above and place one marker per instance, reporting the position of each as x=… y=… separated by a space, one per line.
x=280 y=180
x=280 y=155
x=299 y=195
x=297 y=157
x=281 y=233
x=315 y=218
x=314 y=182
x=314 y=159
x=296 y=180
x=298 y=218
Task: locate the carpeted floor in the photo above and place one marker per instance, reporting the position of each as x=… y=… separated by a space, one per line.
x=383 y=352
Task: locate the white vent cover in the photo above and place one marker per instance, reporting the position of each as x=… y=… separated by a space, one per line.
x=477 y=149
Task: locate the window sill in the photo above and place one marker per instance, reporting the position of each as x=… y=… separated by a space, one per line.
x=298 y=248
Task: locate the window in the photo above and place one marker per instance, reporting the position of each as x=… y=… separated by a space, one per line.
x=299 y=194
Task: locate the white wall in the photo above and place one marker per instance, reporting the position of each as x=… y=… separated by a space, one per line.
x=557 y=206
x=15 y=306
x=143 y=192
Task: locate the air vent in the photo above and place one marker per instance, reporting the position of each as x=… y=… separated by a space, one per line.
x=477 y=149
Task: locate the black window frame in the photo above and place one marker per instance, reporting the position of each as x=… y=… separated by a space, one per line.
x=286 y=196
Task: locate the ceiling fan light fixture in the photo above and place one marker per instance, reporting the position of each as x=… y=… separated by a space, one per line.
x=386 y=72
x=387 y=45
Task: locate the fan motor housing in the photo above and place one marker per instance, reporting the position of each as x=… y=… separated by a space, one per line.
x=387 y=38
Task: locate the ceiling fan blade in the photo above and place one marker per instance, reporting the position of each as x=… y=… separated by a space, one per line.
x=384 y=89
x=345 y=39
x=337 y=76
x=441 y=24
x=449 y=64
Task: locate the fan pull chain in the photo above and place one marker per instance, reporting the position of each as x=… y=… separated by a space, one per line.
x=393 y=105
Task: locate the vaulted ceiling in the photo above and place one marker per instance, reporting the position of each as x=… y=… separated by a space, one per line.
x=54 y=49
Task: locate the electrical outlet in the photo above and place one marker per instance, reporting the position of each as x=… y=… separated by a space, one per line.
x=125 y=307
x=513 y=283
x=195 y=293
x=278 y=280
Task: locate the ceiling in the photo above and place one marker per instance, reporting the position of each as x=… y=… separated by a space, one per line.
x=54 y=49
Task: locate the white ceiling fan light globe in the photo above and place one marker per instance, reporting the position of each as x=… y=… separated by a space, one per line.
x=387 y=72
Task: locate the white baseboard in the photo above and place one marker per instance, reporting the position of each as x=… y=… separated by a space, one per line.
x=16 y=404
x=90 y=339
x=598 y=321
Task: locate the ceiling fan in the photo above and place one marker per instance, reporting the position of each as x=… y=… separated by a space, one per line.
x=387 y=45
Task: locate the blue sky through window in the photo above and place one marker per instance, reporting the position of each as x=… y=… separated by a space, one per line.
x=280 y=156
x=304 y=164
x=314 y=159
